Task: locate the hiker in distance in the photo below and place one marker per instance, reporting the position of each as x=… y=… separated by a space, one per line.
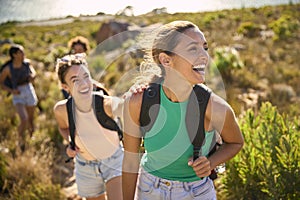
x=80 y=44
x=17 y=76
x=95 y=145
x=181 y=130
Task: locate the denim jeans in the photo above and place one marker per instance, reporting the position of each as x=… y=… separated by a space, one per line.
x=150 y=187
x=91 y=176
x=27 y=95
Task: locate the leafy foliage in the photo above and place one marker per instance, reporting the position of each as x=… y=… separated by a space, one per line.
x=249 y=29
x=268 y=165
x=3 y=170
x=226 y=60
x=269 y=161
x=284 y=27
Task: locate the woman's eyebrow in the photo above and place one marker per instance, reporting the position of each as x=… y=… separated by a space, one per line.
x=192 y=43
x=195 y=43
x=73 y=77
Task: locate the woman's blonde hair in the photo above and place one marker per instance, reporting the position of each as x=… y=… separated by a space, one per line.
x=166 y=39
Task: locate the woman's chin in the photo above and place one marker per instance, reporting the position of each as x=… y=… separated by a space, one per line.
x=199 y=80
x=84 y=96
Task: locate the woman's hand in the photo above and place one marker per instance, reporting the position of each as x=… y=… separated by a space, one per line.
x=70 y=152
x=201 y=166
x=135 y=89
x=15 y=91
x=31 y=78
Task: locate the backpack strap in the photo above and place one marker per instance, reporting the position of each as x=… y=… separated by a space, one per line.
x=13 y=77
x=196 y=108
x=150 y=107
x=103 y=119
x=103 y=90
x=71 y=116
x=27 y=64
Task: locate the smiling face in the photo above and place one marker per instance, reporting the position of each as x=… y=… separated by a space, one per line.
x=16 y=53
x=78 y=82
x=78 y=48
x=190 y=56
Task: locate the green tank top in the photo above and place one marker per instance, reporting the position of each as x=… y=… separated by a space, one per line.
x=167 y=144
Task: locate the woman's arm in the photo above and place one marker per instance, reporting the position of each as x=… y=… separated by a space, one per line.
x=223 y=119
x=132 y=142
x=113 y=106
x=3 y=75
x=32 y=74
x=220 y=117
x=61 y=116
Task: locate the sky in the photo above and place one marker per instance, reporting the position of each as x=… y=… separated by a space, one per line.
x=25 y=10
x=141 y=7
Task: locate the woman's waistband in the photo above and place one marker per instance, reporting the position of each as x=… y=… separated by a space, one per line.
x=171 y=183
x=23 y=83
x=83 y=161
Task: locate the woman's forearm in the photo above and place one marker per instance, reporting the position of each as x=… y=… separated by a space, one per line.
x=129 y=175
x=224 y=153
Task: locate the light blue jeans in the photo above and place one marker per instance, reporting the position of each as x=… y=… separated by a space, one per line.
x=150 y=187
x=27 y=95
x=91 y=176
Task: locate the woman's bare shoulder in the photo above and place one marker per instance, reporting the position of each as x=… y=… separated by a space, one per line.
x=135 y=100
x=60 y=106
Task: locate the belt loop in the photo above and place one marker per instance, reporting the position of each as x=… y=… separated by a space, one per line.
x=156 y=182
x=186 y=186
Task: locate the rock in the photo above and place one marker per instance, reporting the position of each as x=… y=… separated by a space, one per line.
x=111 y=28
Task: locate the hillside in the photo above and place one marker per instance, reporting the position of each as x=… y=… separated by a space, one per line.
x=255 y=56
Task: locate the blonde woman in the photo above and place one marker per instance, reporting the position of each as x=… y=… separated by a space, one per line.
x=167 y=169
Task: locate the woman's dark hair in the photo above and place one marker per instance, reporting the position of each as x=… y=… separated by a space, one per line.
x=64 y=64
x=84 y=42
x=14 y=49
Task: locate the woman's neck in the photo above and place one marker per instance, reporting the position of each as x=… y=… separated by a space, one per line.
x=177 y=90
x=17 y=63
x=84 y=106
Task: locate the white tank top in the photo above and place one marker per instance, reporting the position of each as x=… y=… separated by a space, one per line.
x=94 y=141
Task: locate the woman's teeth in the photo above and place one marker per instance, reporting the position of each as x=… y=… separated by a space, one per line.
x=199 y=68
x=84 y=91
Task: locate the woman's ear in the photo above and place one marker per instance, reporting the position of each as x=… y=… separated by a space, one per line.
x=65 y=87
x=164 y=59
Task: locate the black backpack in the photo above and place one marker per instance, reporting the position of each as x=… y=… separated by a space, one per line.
x=198 y=101
x=102 y=117
x=11 y=82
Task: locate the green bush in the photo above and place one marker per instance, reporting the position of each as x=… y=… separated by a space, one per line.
x=249 y=29
x=29 y=175
x=226 y=60
x=38 y=191
x=3 y=170
x=268 y=165
x=284 y=27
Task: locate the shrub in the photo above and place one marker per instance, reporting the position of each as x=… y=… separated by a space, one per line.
x=249 y=29
x=3 y=170
x=284 y=27
x=226 y=60
x=28 y=176
x=268 y=165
